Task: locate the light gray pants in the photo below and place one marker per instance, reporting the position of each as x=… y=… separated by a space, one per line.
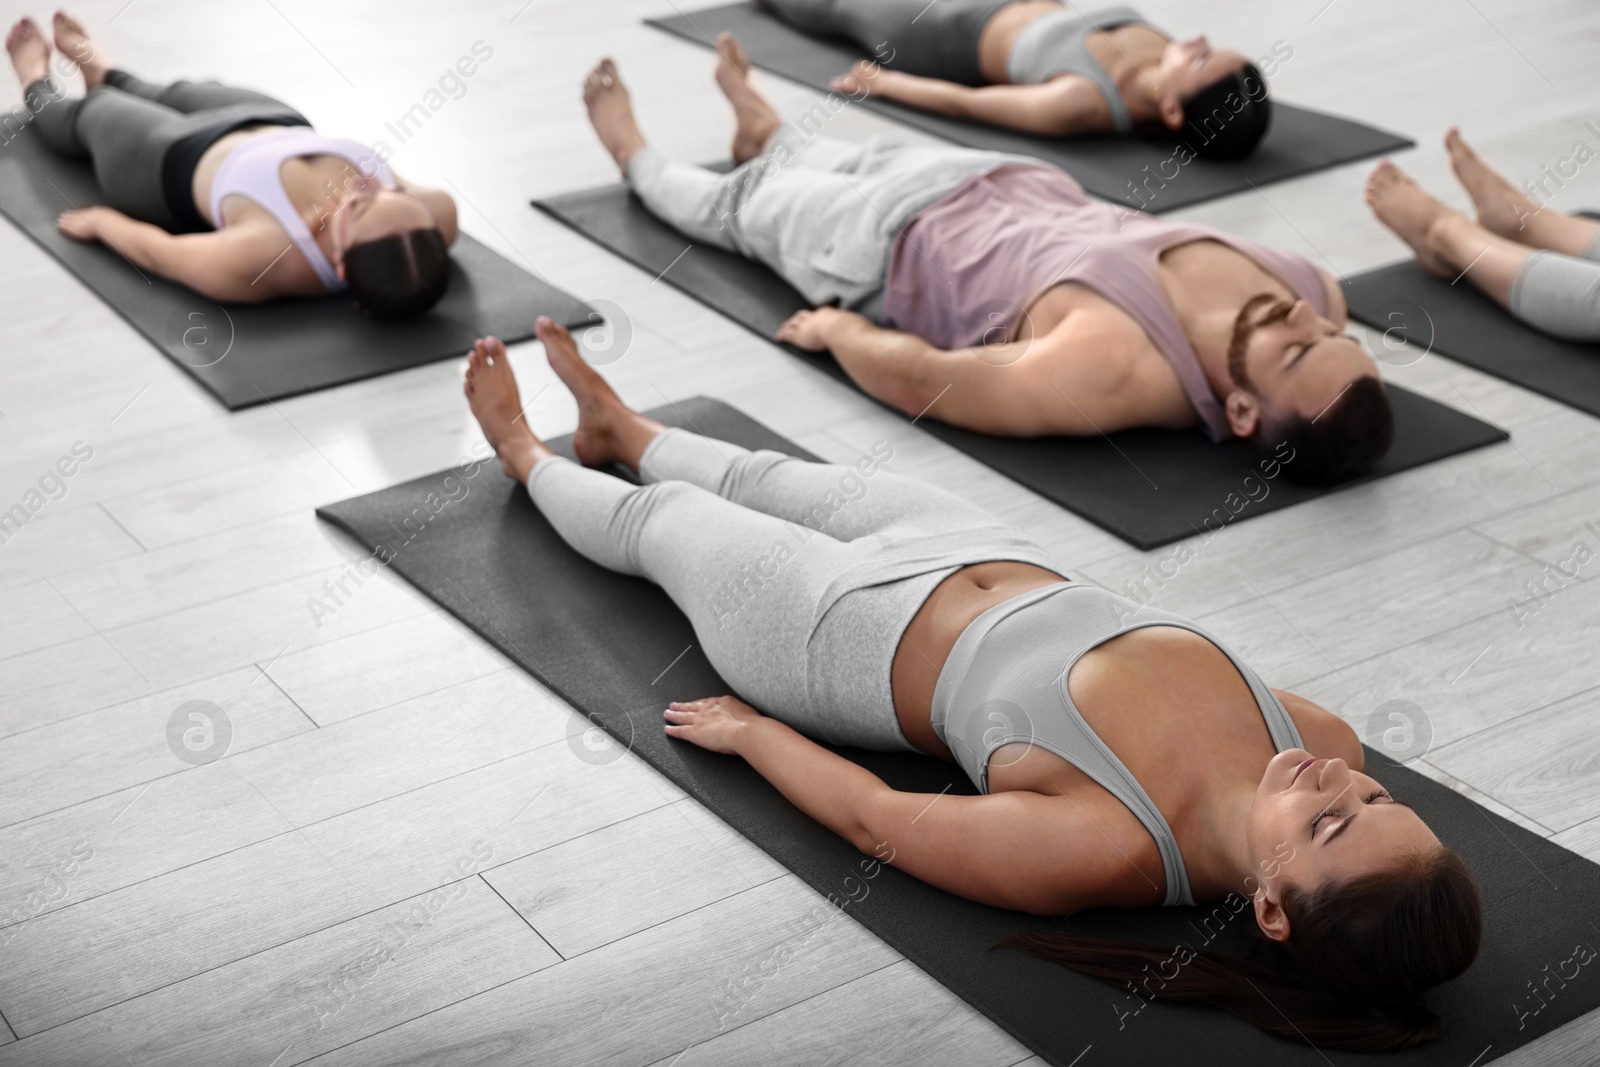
x=1560 y=294
x=822 y=213
x=799 y=578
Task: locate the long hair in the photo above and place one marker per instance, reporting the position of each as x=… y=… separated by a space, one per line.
x=1359 y=956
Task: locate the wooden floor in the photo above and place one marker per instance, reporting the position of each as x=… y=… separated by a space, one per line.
x=402 y=857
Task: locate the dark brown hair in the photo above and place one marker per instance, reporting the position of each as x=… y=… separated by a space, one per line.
x=399 y=276
x=1218 y=131
x=1345 y=440
x=1351 y=975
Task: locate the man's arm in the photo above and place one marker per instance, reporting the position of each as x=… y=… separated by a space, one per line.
x=220 y=265
x=1055 y=384
x=1057 y=108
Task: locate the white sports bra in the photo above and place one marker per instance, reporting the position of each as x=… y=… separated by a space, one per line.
x=253 y=170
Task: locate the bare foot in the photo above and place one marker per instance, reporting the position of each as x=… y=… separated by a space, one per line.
x=30 y=52
x=755 y=120
x=611 y=112
x=496 y=403
x=608 y=430
x=74 y=42
x=1413 y=215
x=1502 y=207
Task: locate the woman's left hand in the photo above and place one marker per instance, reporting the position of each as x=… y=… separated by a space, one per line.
x=713 y=723
x=79 y=225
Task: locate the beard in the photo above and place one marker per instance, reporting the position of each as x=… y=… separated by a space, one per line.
x=1245 y=326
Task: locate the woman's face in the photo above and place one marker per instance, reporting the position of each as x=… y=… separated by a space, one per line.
x=1189 y=66
x=1313 y=820
x=371 y=211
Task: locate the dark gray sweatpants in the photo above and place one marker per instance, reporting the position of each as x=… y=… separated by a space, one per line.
x=126 y=126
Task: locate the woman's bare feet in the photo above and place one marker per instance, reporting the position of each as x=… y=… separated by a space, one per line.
x=1414 y=216
x=74 y=42
x=30 y=52
x=755 y=120
x=611 y=112
x=492 y=394
x=608 y=430
x=1502 y=207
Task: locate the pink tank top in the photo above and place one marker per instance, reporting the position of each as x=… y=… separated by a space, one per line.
x=969 y=265
x=252 y=170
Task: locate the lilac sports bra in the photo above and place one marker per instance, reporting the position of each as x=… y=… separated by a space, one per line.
x=252 y=170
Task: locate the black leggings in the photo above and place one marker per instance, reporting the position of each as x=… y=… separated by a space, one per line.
x=936 y=40
x=128 y=128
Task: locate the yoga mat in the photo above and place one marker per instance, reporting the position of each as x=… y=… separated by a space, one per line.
x=1150 y=487
x=247 y=354
x=1460 y=322
x=1299 y=141
x=619 y=650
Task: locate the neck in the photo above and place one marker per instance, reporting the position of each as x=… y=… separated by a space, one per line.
x=1210 y=332
x=1221 y=864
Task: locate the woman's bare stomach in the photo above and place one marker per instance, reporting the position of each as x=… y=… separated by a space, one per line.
x=933 y=631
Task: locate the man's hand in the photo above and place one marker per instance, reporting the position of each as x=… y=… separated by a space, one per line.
x=712 y=723
x=809 y=329
x=83 y=225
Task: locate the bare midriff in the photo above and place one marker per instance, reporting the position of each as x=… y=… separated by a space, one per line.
x=927 y=641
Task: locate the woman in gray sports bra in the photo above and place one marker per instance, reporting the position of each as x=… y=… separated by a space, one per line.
x=1123 y=757
x=1044 y=67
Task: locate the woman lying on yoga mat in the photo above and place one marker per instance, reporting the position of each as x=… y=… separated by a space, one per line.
x=989 y=291
x=230 y=192
x=1538 y=264
x=1044 y=67
x=1124 y=757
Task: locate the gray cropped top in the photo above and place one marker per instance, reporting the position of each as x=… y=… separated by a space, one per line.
x=1057 y=43
x=1006 y=681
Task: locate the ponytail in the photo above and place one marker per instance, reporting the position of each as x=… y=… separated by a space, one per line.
x=1364 y=952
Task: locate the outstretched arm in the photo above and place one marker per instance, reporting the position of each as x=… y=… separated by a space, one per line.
x=1044 y=385
x=220 y=265
x=1057 y=108
x=1016 y=850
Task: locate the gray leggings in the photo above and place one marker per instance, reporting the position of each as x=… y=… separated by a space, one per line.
x=127 y=127
x=1560 y=294
x=799 y=578
x=935 y=40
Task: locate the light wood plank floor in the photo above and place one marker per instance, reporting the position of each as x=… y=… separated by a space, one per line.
x=402 y=857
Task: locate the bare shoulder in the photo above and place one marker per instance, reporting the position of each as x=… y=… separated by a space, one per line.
x=1324 y=733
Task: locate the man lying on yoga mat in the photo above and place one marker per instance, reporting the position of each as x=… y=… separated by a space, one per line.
x=1124 y=757
x=230 y=192
x=1538 y=264
x=1044 y=67
x=989 y=291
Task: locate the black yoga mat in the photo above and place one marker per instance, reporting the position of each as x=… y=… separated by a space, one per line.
x=1298 y=142
x=1149 y=487
x=246 y=354
x=1460 y=322
x=619 y=650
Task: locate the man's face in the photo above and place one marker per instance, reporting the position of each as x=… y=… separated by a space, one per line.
x=1285 y=360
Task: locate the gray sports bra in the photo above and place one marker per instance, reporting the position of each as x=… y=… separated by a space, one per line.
x=1006 y=681
x=1057 y=43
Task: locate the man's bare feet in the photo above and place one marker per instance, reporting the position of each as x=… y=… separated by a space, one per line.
x=608 y=430
x=611 y=112
x=74 y=42
x=496 y=403
x=1502 y=207
x=754 y=118
x=30 y=52
x=1414 y=216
